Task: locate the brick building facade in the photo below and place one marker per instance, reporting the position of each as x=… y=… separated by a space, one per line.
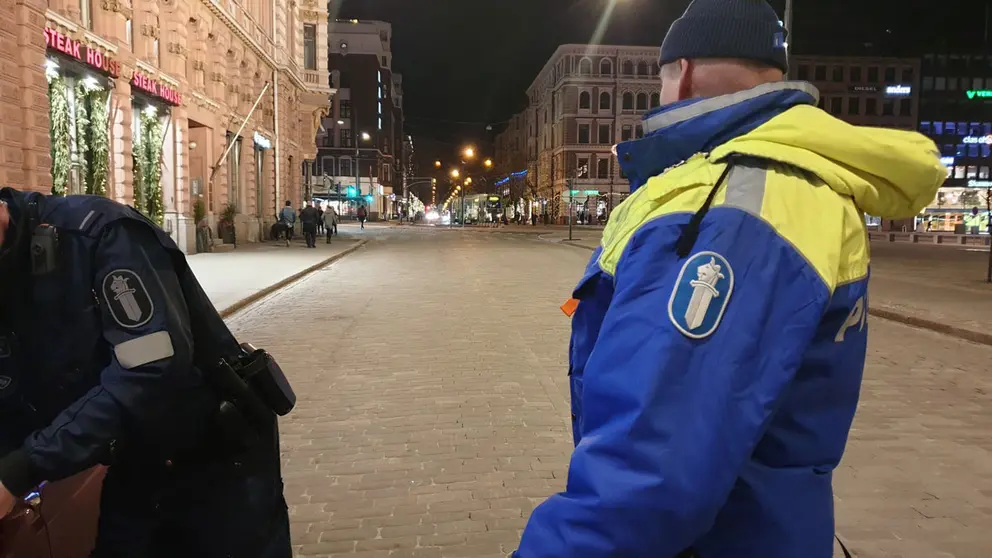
x=139 y=101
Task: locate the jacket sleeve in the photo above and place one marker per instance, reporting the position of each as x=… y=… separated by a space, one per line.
x=669 y=419
x=146 y=327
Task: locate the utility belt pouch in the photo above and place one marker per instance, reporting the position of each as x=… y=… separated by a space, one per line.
x=242 y=414
x=266 y=378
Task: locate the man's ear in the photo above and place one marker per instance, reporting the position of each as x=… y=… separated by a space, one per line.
x=686 y=68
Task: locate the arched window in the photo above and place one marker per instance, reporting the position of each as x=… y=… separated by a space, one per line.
x=585 y=66
x=585 y=100
x=628 y=101
x=642 y=101
x=655 y=100
x=344 y=164
x=628 y=68
x=604 y=101
x=606 y=67
x=642 y=68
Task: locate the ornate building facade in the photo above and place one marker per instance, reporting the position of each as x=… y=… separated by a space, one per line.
x=186 y=109
x=585 y=100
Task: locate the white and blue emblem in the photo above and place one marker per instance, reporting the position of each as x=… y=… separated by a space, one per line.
x=701 y=294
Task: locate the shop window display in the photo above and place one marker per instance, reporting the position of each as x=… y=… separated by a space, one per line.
x=147 y=134
x=79 y=132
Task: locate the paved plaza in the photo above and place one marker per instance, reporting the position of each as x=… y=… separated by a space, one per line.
x=433 y=407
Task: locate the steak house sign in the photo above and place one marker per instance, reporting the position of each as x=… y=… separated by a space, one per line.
x=156 y=89
x=75 y=49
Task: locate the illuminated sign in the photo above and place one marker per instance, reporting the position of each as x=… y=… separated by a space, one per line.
x=979 y=93
x=898 y=90
x=987 y=140
x=980 y=183
x=156 y=89
x=75 y=49
x=262 y=141
x=947 y=161
x=864 y=89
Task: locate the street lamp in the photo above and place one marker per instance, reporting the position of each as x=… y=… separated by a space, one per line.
x=488 y=163
x=455 y=173
x=469 y=152
x=366 y=136
x=437 y=164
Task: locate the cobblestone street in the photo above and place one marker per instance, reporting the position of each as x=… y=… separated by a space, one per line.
x=433 y=407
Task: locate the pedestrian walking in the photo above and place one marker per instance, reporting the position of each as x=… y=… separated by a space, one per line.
x=132 y=380
x=288 y=219
x=362 y=215
x=308 y=222
x=330 y=221
x=320 y=220
x=719 y=332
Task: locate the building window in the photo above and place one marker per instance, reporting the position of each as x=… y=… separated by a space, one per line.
x=345 y=165
x=873 y=74
x=583 y=133
x=605 y=101
x=938 y=128
x=983 y=173
x=582 y=170
x=973 y=151
x=309 y=46
x=626 y=132
x=804 y=72
x=655 y=100
x=890 y=75
x=385 y=62
x=86 y=13
x=345 y=109
x=585 y=66
x=925 y=128
x=822 y=102
x=838 y=73
x=603 y=168
x=836 y=105
x=585 y=100
x=346 y=138
x=642 y=101
x=972 y=173
x=888 y=108
x=952 y=84
x=628 y=101
x=856 y=74
x=129 y=34
x=628 y=68
x=907 y=76
x=950 y=129
x=642 y=68
x=871 y=107
x=604 y=134
x=605 y=68
x=940 y=84
x=854 y=105
x=326 y=166
x=959 y=171
x=639 y=131
x=928 y=83
x=905 y=107
x=820 y=74
x=960 y=150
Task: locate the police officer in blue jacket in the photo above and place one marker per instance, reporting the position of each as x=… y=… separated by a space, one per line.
x=107 y=346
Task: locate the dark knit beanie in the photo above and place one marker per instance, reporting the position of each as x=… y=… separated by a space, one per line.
x=746 y=29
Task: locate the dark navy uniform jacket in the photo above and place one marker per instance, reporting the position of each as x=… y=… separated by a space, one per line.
x=97 y=363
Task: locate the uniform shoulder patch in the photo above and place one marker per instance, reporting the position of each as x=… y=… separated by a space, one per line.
x=701 y=294
x=128 y=300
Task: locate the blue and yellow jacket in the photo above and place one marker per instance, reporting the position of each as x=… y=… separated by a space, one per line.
x=712 y=394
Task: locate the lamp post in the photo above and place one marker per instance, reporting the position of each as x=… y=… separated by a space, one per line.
x=788 y=23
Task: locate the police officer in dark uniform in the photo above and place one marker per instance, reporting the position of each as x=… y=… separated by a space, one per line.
x=111 y=353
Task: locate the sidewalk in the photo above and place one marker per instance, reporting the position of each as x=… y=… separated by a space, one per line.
x=233 y=279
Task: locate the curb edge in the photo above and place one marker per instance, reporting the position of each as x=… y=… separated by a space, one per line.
x=255 y=297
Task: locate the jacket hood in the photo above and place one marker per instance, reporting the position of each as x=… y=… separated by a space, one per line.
x=891 y=174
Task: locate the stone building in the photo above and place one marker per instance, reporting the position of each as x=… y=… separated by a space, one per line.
x=174 y=106
x=585 y=100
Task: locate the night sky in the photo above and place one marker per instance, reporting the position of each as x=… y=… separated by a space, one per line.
x=468 y=63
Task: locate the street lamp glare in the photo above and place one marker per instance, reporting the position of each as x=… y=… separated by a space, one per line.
x=455 y=173
x=488 y=163
x=366 y=136
x=469 y=152
x=340 y=122
x=437 y=164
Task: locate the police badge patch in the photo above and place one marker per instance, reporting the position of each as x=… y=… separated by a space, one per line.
x=127 y=298
x=701 y=294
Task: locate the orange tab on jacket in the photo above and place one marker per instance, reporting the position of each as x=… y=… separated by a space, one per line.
x=570 y=306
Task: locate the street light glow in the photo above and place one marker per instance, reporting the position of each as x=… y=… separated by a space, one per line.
x=488 y=163
x=468 y=180
x=469 y=152
x=455 y=173
x=340 y=122
x=366 y=136
x=437 y=164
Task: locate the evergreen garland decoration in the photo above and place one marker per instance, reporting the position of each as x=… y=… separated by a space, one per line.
x=100 y=143
x=59 y=133
x=82 y=125
x=153 y=168
x=138 y=174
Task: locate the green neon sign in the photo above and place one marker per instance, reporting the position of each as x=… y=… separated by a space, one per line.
x=980 y=93
x=584 y=192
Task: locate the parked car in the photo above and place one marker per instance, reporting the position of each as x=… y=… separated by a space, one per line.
x=57 y=521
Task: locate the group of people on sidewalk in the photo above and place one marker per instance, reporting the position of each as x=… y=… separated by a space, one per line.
x=313 y=221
